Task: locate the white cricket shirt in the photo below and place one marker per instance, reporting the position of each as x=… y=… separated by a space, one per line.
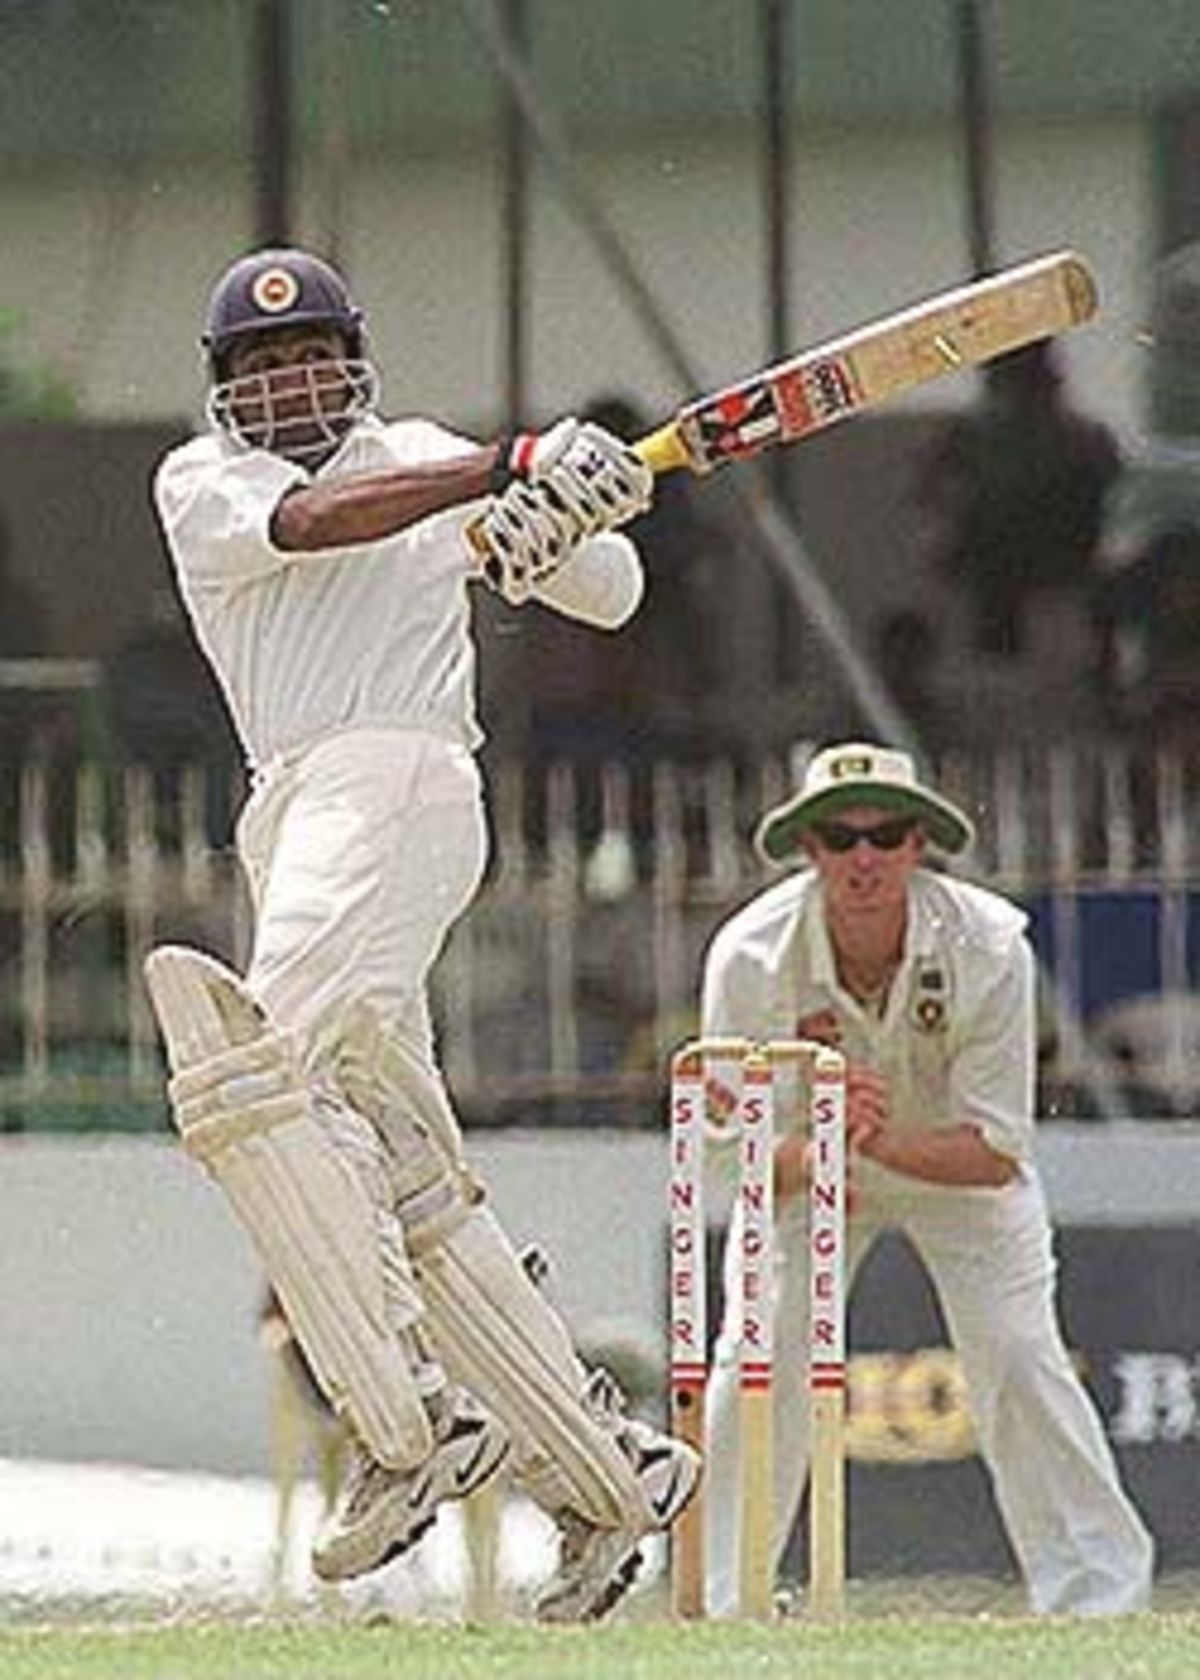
x=956 y=1039
x=373 y=635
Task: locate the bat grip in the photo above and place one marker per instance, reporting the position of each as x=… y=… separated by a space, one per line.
x=664 y=450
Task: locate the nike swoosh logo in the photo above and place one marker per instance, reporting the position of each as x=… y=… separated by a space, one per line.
x=465 y=1474
x=662 y=1505
x=460 y=1479
x=418 y=1493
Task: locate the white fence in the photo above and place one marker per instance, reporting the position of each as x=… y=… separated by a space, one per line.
x=577 y=969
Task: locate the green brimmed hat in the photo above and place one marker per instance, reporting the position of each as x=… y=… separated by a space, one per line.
x=860 y=773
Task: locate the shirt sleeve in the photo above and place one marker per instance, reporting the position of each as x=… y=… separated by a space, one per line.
x=600 y=584
x=216 y=512
x=993 y=1069
x=720 y=1013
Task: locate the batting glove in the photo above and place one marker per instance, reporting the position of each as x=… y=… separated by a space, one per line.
x=599 y=479
x=522 y=539
x=590 y=472
x=530 y=455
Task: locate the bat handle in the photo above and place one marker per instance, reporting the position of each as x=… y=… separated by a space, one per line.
x=664 y=450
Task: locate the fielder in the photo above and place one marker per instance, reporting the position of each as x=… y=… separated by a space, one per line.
x=926 y=984
x=321 y=554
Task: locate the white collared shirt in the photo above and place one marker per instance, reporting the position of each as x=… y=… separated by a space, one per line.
x=376 y=634
x=957 y=1038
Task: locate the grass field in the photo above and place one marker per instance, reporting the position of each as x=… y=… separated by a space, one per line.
x=935 y=1627
x=1152 y=1647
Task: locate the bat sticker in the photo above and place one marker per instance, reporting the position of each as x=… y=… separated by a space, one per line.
x=734 y=424
x=816 y=394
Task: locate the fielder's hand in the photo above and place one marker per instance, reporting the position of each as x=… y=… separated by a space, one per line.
x=868 y=1115
x=792 y=1170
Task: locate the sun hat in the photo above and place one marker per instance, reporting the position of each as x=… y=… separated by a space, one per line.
x=860 y=773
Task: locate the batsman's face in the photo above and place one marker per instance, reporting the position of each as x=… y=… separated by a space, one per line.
x=866 y=858
x=290 y=392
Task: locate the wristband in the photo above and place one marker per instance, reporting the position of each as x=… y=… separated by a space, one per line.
x=514 y=459
x=520 y=460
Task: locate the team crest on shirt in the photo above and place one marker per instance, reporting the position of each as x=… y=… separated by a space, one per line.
x=931 y=999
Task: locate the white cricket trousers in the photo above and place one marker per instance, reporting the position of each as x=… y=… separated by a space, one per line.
x=361 y=854
x=1081 y=1545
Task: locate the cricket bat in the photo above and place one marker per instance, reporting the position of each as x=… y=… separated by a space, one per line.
x=956 y=329
x=960 y=328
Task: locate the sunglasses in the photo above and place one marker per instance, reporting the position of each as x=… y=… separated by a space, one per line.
x=884 y=837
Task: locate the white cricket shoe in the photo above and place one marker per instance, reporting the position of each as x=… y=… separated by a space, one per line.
x=597 y=1566
x=381 y=1513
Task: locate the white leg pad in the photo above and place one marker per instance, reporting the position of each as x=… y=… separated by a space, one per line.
x=492 y=1330
x=499 y=1337
x=391 y=1079
x=244 y=1111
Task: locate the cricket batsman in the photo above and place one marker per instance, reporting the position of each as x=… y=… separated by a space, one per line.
x=322 y=554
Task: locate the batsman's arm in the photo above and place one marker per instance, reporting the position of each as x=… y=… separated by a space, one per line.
x=338 y=513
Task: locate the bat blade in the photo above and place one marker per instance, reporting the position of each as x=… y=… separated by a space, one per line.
x=964 y=327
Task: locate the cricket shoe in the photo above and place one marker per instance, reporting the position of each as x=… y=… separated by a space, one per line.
x=381 y=1513
x=597 y=1566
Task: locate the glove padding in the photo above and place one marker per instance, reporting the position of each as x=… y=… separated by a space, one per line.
x=600 y=480
x=597 y=476
x=579 y=479
x=523 y=538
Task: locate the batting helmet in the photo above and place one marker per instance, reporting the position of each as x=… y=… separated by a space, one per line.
x=275 y=289
x=279 y=291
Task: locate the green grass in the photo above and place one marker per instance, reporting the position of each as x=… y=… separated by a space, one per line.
x=1150 y=1647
